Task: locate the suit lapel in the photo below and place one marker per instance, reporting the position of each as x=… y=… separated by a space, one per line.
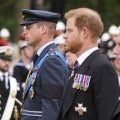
x=70 y=92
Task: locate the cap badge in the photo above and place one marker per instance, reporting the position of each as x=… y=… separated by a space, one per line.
x=8 y=52
x=81 y=81
x=80 y=109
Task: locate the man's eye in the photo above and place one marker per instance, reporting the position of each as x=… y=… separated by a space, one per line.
x=28 y=27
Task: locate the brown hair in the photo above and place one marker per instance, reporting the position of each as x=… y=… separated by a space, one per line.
x=51 y=26
x=85 y=17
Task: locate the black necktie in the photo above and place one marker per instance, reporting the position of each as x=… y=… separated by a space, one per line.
x=3 y=80
x=35 y=57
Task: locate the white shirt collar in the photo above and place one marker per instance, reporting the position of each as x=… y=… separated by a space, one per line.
x=42 y=48
x=1 y=74
x=83 y=56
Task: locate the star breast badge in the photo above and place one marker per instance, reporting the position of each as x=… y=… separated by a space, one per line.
x=80 y=109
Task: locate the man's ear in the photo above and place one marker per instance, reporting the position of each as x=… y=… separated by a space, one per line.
x=83 y=33
x=43 y=28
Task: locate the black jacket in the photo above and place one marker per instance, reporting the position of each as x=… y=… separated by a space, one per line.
x=101 y=96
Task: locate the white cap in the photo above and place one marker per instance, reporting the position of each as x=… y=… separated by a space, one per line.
x=99 y=40
x=59 y=40
x=60 y=26
x=22 y=44
x=4 y=48
x=119 y=28
x=105 y=37
x=113 y=30
x=6 y=52
x=4 y=33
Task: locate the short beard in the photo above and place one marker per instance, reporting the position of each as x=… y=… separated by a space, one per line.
x=3 y=70
x=74 y=48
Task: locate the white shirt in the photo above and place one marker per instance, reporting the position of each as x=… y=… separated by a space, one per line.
x=40 y=51
x=83 y=56
x=42 y=48
x=6 y=78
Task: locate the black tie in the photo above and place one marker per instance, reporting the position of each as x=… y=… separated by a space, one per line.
x=35 y=57
x=3 y=80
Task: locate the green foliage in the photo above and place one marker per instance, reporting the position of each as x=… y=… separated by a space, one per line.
x=8 y=16
x=108 y=9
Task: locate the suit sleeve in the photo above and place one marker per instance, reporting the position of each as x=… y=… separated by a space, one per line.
x=106 y=91
x=52 y=86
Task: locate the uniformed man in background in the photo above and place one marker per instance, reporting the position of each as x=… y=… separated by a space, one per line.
x=22 y=67
x=8 y=84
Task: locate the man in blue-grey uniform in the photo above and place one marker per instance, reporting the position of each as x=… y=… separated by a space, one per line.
x=45 y=83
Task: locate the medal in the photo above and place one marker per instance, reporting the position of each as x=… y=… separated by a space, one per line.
x=72 y=73
x=31 y=92
x=81 y=81
x=76 y=85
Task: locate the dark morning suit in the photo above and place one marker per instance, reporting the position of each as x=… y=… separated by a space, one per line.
x=4 y=93
x=48 y=87
x=20 y=73
x=101 y=97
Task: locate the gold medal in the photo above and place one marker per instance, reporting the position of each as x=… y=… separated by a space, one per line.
x=31 y=92
x=76 y=85
x=72 y=73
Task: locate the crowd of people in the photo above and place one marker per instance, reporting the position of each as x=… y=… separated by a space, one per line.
x=62 y=71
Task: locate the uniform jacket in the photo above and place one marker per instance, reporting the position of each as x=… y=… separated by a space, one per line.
x=4 y=95
x=101 y=96
x=48 y=88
